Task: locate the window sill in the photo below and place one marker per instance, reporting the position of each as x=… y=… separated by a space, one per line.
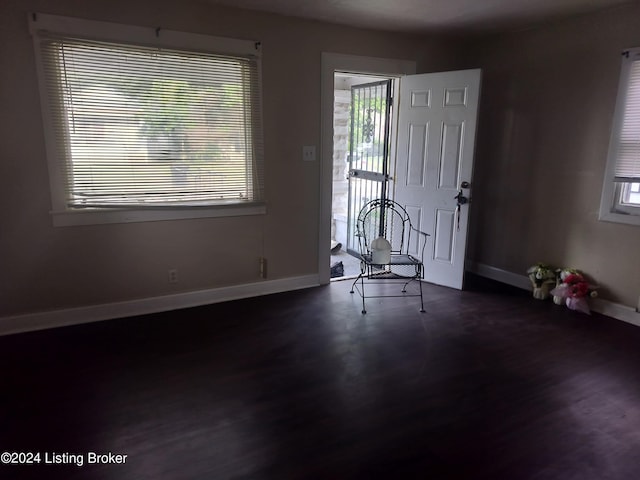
x=99 y=217
x=617 y=217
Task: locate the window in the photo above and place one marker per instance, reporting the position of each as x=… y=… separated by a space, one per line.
x=621 y=191
x=146 y=124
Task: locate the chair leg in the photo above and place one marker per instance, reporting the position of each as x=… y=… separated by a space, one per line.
x=364 y=310
x=421 y=300
x=354 y=283
x=353 y=286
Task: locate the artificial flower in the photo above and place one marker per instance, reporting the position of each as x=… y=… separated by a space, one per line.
x=574 y=290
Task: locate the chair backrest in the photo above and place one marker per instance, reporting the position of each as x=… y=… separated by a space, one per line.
x=384 y=218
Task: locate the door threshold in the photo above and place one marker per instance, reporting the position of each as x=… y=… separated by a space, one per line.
x=344 y=277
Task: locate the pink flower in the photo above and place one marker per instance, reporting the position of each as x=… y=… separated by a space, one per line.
x=573 y=278
x=580 y=289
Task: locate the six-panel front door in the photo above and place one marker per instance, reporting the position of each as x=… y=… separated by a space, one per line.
x=436 y=134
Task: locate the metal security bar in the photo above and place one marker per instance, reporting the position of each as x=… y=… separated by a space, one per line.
x=368 y=150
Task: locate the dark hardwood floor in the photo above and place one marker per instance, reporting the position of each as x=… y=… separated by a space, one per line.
x=488 y=384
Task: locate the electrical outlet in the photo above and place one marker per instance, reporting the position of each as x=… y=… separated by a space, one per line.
x=309 y=153
x=173 y=275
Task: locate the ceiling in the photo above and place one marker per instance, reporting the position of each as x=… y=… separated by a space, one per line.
x=422 y=16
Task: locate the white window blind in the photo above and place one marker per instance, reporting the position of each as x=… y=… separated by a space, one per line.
x=143 y=126
x=627 y=168
x=620 y=200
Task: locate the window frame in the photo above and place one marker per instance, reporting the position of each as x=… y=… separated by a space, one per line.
x=130 y=34
x=612 y=206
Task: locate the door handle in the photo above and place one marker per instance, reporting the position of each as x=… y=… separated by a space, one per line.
x=461 y=199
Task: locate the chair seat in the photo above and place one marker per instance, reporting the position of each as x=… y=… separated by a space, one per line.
x=389 y=275
x=396 y=259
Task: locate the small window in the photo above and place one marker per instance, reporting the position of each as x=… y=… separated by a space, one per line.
x=621 y=191
x=150 y=123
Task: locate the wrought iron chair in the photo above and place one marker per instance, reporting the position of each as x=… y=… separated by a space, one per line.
x=403 y=264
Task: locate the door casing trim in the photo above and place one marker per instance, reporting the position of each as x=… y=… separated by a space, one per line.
x=331 y=63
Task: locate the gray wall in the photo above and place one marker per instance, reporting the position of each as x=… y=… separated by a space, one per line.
x=47 y=268
x=547 y=101
x=548 y=97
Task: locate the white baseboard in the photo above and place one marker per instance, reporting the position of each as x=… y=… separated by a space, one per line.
x=95 y=313
x=499 y=275
x=616 y=310
x=604 y=307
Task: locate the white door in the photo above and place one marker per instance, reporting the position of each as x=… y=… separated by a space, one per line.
x=436 y=134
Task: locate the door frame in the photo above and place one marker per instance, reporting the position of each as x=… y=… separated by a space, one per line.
x=331 y=63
